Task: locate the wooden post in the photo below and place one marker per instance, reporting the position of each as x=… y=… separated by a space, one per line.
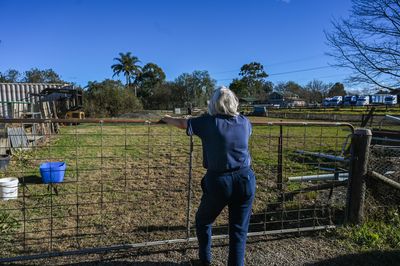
x=358 y=172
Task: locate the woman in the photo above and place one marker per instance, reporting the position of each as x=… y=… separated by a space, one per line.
x=229 y=180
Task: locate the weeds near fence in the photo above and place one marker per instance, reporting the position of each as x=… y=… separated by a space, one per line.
x=8 y=224
x=377 y=232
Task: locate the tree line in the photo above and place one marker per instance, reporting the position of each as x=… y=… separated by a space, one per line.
x=148 y=83
x=367 y=43
x=146 y=87
x=33 y=75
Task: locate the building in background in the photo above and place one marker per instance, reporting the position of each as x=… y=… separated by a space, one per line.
x=18 y=98
x=285 y=100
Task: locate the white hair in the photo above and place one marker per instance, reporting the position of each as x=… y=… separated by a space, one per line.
x=223 y=102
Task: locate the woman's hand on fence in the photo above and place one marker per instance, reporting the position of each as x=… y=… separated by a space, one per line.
x=164 y=120
x=177 y=122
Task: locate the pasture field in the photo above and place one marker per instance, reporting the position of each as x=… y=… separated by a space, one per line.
x=129 y=183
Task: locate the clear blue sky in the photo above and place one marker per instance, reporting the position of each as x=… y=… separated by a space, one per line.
x=80 y=38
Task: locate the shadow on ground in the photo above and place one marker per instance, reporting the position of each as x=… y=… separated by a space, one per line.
x=121 y=263
x=365 y=258
x=30 y=179
x=126 y=263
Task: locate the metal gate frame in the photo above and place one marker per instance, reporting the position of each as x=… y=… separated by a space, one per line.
x=188 y=238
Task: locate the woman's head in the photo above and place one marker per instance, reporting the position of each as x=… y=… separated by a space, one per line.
x=223 y=102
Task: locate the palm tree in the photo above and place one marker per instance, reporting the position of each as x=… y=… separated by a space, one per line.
x=127 y=65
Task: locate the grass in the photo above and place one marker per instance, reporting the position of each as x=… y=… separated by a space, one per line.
x=128 y=183
x=377 y=233
x=8 y=223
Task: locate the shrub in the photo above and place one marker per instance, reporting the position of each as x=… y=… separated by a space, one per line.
x=109 y=98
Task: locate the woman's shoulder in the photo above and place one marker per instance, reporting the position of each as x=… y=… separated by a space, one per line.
x=201 y=118
x=242 y=117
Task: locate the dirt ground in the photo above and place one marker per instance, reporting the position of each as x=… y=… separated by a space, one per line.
x=310 y=249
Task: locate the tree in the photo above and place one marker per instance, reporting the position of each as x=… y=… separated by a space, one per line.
x=316 y=91
x=198 y=87
x=10 y=76
x=337 y=90
x=293 y=88
x=252 y=82
x=253 y=71
x=239 y=87
x=368 y=42
x=280 y=87
x=109 y=98
x=167 y=96
x=128 y=66
x=289 y=89
x=36 y=75
x=151 y=77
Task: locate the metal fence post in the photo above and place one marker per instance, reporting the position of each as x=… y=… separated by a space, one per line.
x=358 y=172
x=280 y=161
x=189 y=195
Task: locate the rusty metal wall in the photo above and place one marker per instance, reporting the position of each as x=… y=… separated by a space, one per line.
x=13 y=94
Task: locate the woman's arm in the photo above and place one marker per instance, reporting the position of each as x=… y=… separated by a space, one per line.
x=177 y=122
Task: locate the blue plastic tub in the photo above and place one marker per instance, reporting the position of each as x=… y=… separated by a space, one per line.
x=53 y=172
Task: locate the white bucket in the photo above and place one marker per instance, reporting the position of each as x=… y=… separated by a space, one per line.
x=8 y=188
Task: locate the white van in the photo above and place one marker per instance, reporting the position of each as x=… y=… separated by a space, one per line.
x=363 y=100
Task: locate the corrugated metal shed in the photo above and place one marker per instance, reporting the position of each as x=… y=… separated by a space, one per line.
x=17 y=95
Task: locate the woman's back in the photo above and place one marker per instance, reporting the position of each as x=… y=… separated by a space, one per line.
x=224 y=139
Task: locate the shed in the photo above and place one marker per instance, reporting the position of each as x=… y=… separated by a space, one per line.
x=285 y=100
x=16 y=98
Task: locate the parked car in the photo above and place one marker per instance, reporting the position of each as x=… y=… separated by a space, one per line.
x=377 y=99
x=336 y=101
x=391 y=100
x=363 y=100
x=350 y=100
x=314 y=105
x=326 y=102
x=259 y=111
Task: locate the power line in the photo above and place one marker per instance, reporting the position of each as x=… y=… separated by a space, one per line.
x=327 y=76
x=294 y=60
x=290 y=72
x=302 y=59
x=299 y=70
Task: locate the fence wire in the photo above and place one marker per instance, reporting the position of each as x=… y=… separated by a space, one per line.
x=385 y=160
x=137 y=183
x=384 y=179
x=383 y=192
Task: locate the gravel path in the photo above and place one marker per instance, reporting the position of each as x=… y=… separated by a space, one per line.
x=288 y=250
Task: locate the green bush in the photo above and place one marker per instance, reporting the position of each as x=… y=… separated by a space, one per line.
x=109 y=98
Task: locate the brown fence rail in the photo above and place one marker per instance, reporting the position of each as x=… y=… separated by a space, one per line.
x=130 y=183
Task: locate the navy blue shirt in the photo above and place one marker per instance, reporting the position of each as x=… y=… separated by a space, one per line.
x=225 y=141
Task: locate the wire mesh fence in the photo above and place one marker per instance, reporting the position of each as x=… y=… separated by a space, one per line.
x=383 y=192
x=138 y=183
x=385 y=160
x=384 y=179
